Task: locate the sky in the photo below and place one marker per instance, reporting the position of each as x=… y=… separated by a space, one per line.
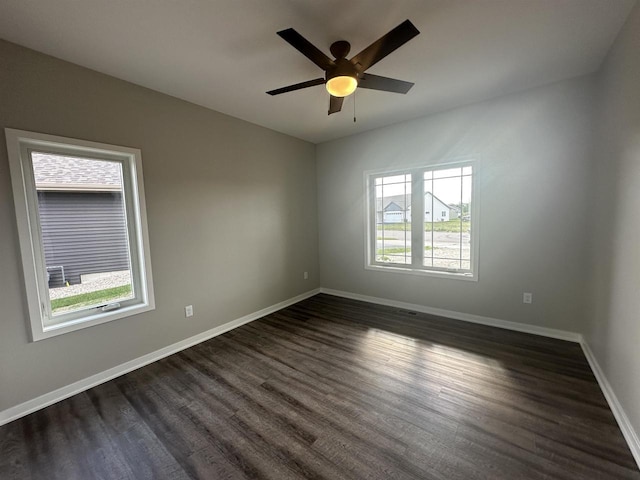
x=447 y=185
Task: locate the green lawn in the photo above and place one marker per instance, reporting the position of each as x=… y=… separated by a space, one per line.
x=392 y=250
x=449 y=226
x=93 y=298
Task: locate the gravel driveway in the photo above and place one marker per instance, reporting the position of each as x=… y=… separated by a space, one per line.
x=113 y=279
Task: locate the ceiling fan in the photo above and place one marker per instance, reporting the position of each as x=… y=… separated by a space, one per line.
x=342 y=75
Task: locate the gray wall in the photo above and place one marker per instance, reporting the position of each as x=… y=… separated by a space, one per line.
x=614 y=309
x=231 y=210
x=233 y=223
x=534 y=175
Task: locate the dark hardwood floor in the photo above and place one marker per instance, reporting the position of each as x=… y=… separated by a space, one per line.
x=337 y=389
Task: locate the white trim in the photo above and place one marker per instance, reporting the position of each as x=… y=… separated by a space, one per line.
x=30 y=406
x=41 y=321
x=416 y=268
x=630 y=435
x=398 y=268
x=465 y=317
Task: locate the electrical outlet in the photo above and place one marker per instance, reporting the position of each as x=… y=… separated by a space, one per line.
x=305 y=275
x=188 y=311
x=527 y=297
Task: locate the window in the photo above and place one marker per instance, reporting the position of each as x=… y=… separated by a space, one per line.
x=83 y=233
x=403 y=233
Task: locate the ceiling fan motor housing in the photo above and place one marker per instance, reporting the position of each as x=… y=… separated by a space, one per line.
x=343 y=68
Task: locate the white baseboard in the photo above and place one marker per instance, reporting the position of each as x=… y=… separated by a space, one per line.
x=628 y=431
x=55 y=396
x=466 y=317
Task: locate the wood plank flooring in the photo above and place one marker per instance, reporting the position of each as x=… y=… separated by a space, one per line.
x=336 y=389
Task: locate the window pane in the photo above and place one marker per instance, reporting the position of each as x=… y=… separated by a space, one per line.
x=447 y=263
x=396 y=179
x=445 y=220
x=449 y=172
x=428 y=245
x=84 y=231
x=466 y=217
x=428 y=219
x=442 y=221
x=448 y=191
x=380 y=237
x=393 y=220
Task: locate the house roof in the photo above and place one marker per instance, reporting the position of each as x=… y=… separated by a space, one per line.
x=399 y=202
x=393 y=207
x=63 y=173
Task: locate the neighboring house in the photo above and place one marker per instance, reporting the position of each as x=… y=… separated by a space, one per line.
x=436 y=210
x=80 y=204
x=394 y=213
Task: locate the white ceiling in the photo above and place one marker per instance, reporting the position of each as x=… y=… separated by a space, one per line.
x=225 y=54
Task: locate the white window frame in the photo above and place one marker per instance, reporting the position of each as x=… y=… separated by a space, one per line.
x=19 y=145
x=417 y=267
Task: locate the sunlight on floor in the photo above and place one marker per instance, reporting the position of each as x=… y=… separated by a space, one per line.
x=418 y=359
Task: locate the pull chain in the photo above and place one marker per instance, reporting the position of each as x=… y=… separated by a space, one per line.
x=354 y=107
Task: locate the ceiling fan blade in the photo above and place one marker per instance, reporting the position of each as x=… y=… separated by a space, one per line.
x=297 y=86
x=385 y=45
x=306 y=48
x=376 y=82
x=335 y=104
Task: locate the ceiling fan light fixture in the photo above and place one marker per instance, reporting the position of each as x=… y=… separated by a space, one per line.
x=344 y=75
x=342 y=85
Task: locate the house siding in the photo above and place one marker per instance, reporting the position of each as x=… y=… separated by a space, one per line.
x=393 y=212
x=83 y=232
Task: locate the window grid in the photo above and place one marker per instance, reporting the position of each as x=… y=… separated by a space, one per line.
x=391 y=253
x=446 y=237
x=430 y=177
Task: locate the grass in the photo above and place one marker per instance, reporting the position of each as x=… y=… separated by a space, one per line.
x=403 y=227
x=92 y=298
x=392 y=250
x=448 y=226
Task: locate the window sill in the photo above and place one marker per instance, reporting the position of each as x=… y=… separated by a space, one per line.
x=90 y=321
x=469 y=277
